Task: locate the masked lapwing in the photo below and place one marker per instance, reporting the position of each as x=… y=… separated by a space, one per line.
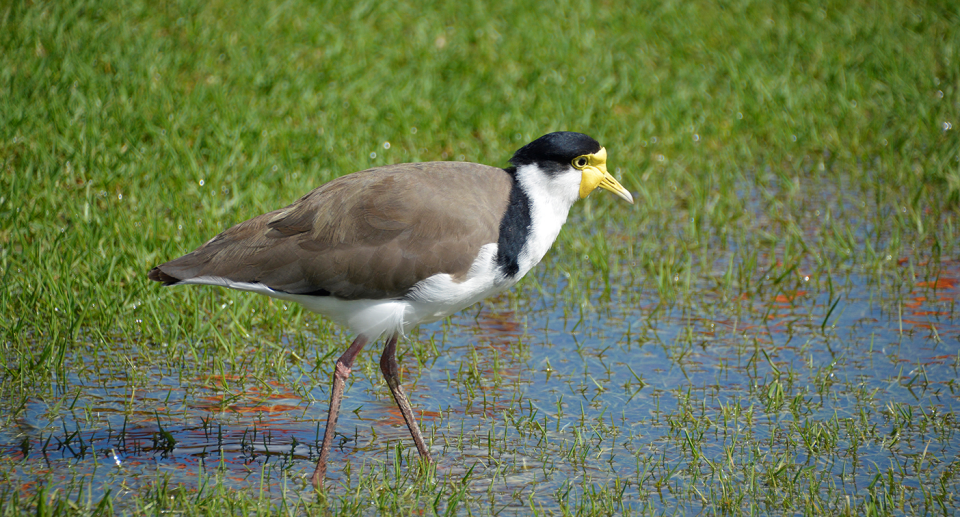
x=382 y=250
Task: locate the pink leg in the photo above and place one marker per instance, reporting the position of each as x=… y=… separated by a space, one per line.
x=390 y=369
x=340 y=374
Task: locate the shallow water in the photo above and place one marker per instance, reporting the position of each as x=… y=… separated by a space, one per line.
x=539 y=401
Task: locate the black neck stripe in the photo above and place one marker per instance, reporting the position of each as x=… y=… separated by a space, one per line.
x=514 y=229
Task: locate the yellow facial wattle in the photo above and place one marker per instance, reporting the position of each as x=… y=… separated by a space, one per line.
x=595 y=175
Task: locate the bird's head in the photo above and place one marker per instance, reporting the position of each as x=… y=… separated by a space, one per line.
x=559 y=152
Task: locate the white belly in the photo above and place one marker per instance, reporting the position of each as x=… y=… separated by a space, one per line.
x=430 y=300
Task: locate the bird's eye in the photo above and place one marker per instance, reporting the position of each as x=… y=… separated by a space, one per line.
x=580 y=162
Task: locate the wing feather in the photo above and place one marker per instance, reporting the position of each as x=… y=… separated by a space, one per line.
x=370 y=234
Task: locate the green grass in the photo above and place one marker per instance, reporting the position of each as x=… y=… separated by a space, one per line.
x=774 y=149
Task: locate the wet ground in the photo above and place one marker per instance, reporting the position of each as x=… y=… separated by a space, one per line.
x=840 y=386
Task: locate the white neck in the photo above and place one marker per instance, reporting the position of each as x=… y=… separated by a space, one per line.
x=551 y=197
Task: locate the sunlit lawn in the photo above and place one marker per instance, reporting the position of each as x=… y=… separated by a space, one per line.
x=771 y=329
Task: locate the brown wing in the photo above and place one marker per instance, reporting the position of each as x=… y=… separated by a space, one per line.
x=370 y=234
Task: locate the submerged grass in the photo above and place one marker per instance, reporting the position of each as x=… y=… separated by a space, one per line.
x=797 y=171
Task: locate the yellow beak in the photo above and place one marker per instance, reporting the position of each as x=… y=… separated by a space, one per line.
x=595 y=175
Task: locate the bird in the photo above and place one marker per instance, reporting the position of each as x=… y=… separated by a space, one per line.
x=385 y=249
